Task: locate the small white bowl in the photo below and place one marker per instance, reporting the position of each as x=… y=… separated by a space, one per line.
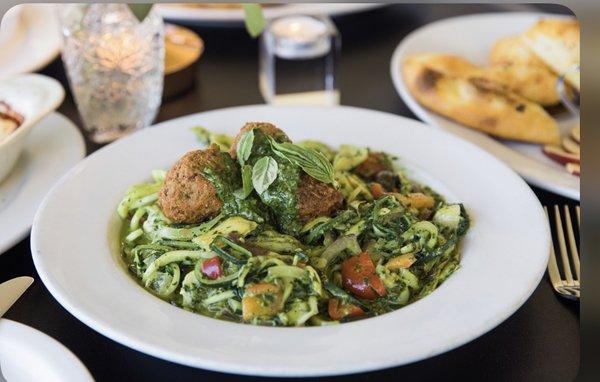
x=11 y=22
x=33 y=96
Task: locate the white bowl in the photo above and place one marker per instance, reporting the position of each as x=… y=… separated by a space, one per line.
x=33 y=96
x=26 y=354
x=11 y=22
x=75 y=248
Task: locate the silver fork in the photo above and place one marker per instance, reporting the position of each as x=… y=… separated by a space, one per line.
x=567 y=286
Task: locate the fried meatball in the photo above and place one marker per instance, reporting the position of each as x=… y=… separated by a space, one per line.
x=186 y=195
x=265 y=127
x=373 y=165
x=316 y=198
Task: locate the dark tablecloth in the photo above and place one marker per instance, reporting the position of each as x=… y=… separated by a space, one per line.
x=540 y=342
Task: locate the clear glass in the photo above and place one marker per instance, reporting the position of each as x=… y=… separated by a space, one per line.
x=298 y=61
x=115 y=67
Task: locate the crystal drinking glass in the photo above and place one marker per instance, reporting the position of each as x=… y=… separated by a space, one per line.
x=115 y=66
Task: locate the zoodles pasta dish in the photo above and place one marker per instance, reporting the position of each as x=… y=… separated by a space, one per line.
x=261 y=230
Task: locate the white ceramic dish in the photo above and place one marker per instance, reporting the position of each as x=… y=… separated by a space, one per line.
x=53 y=147
x=472 y=37
x=33 y=96
x=34 y=43
x=11 y=22
x=229 y=17
x=509 y=240
x=26 y=354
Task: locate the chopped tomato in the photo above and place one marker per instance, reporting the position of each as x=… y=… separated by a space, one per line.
x=212 y=268
x=377 y=190
x=337 y=310
x=402 y=261
x=359 y=277
x=377 y=285
x=261 y=300
x=418 y=200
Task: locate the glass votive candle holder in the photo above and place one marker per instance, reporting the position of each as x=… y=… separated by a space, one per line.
x=298 y=61
x=115 y=67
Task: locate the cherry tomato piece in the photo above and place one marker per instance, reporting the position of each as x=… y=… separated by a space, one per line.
x=359 y=277
x=212 y=268
x=337 y=310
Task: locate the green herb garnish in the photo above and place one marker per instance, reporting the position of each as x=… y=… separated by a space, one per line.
x=264 y=173
x=255 y=21
x=310 y=161
x=246 y=190
x=244 y=147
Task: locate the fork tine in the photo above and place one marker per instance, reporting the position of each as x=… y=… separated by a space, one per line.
x=572 y=243
x=562 y=247
x=552 y=266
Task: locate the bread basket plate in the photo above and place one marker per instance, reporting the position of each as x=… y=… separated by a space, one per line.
x=472 y=38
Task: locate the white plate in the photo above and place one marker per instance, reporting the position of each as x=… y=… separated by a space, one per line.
x=27 y=354
x=215 y=16
x=75 y=248
x=472 y=37
x=53 y=146
x=34 y=44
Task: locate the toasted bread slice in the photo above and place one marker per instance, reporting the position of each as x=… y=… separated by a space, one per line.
x=514 y=64
x=512 y=50
x=475 y=101
x=535 y=83
x=556 y=42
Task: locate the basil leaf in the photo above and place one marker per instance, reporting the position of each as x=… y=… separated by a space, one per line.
x=140 y=11
x=254 y=19
x=311 y=161
x=242 y=193
x=244 y=147
x=264 y=173
x=318 y=146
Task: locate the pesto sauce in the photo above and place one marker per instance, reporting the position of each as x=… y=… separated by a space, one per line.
x=226 y=180
x=282 y=198
x=282 y=195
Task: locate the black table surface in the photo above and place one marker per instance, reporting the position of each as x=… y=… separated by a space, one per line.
x=540 y=342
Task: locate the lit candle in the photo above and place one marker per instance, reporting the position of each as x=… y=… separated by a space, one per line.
x=298 y=56
x=124 y=51
x=300 y=37
x=299 y=28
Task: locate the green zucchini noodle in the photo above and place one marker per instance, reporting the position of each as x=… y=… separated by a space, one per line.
x=233 y=268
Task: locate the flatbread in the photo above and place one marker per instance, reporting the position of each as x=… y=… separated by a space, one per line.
x=513 y=63
x=556 y=42
x=451 y=86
